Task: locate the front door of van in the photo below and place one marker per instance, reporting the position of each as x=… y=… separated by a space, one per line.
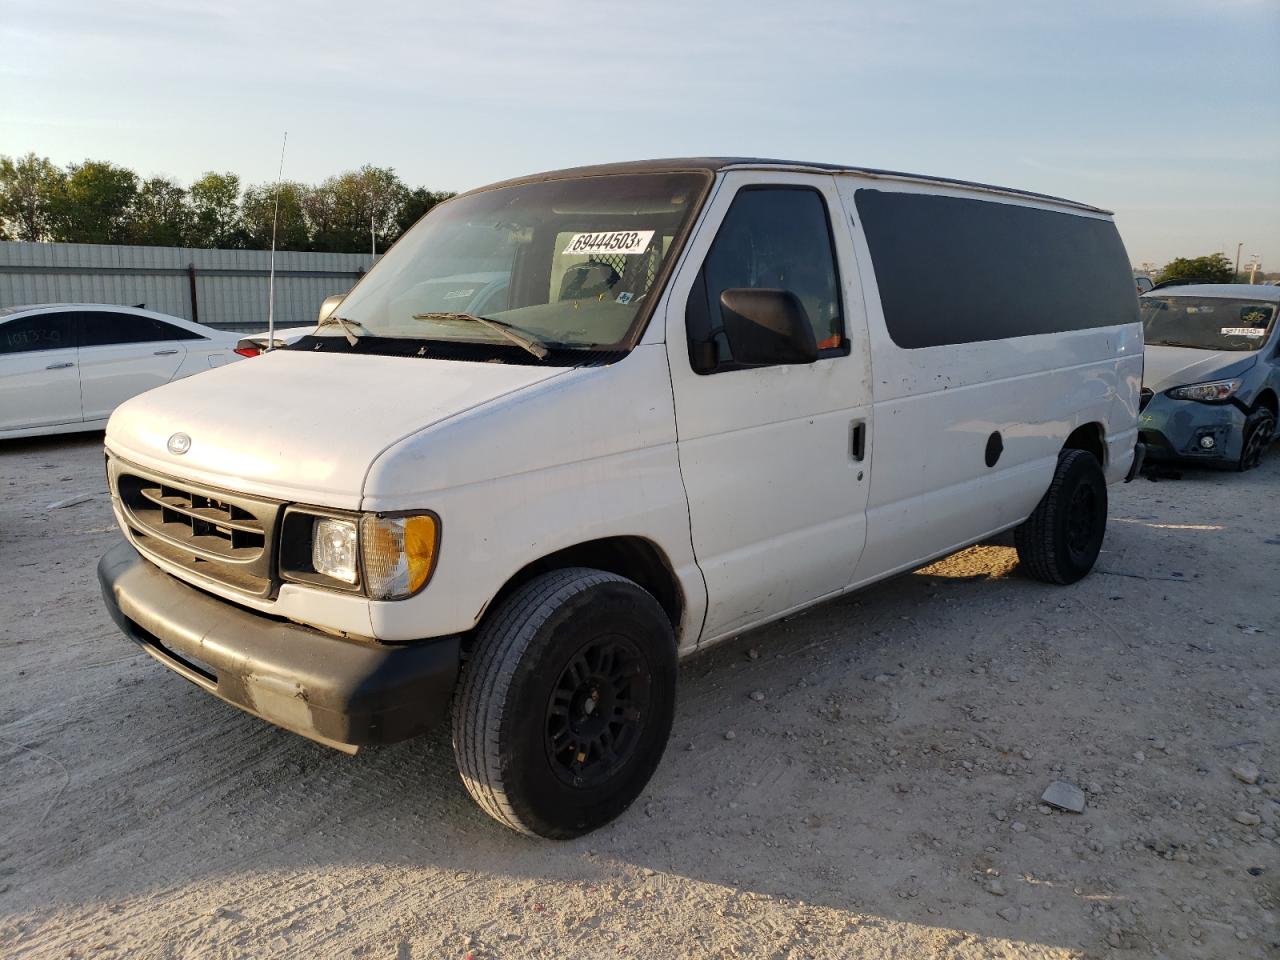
x=775 y=459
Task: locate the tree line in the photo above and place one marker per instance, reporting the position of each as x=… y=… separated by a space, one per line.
x=1212 y=268
x=101 y=202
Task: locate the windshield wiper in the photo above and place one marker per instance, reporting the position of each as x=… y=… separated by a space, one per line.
x=349 y=327
x=512 y=333
x=1180 y=343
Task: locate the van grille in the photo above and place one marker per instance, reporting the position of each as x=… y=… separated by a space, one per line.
x=202 y=521
x=216 y=535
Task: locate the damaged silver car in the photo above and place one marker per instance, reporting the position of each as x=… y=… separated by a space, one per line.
x=1212 y=374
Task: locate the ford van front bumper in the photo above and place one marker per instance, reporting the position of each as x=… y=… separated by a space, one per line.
x=342 y=693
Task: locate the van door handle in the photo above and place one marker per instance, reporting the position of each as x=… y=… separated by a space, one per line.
x=165 y=353
x=858 y=440
x=60 y=366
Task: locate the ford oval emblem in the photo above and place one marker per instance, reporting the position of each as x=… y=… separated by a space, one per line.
x=179 y=444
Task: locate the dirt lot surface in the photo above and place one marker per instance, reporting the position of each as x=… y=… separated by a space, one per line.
x=860 y=781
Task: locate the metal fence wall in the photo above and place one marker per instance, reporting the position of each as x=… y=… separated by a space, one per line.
x=221 y=288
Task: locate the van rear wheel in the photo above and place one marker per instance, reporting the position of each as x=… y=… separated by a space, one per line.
x=567 y=704
x=1060 y=541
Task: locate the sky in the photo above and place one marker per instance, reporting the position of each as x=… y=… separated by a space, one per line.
x=1165 y=111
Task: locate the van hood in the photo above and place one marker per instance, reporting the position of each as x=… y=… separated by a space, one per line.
x=303 y=426
x=1168 y=367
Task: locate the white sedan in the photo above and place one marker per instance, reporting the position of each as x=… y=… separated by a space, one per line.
x=66 y=366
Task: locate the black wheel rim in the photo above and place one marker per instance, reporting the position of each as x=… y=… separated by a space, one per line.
x=597 y=711
x=1256 y=442
x=1082 y=520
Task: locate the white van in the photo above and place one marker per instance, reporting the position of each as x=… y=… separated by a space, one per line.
x=701 y=395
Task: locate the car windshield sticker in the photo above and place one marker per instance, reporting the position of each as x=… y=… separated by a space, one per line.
x=614 y=241
x=1242 y=332
x=1255 y=316
x=459 y=294
x=624 y=298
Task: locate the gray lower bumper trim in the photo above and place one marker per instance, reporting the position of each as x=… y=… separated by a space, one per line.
x=343 y=693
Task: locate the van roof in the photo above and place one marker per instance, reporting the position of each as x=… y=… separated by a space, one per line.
x=716 y=164
x=1233 y=291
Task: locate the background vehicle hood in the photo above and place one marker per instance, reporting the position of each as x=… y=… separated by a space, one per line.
x=1168 y=367
x=303 y=426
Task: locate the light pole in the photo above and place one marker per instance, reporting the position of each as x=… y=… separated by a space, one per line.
x=1236 y=276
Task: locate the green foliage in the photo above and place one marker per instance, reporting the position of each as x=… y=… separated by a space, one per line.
x=160 y=214
x=96 y=202
x=215 y=208
x=416 y=204
x=29 y=188
x=258 y=210
x=1212 y=268
x=356 y=210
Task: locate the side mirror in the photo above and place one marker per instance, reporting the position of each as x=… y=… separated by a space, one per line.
x=330 y=304
x=766 y=327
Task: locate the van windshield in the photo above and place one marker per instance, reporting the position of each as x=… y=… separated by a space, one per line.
x=1206 y=323
x=566 y=265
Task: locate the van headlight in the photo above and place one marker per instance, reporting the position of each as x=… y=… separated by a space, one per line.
x=1207 y=392
x=333 y=549
x=385 y=557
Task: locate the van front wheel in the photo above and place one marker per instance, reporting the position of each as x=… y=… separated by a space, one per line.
x=566 y=706
x=1060 y=541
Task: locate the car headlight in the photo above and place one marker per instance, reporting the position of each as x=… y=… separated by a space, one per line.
x=1206 y=392
x=383 y=557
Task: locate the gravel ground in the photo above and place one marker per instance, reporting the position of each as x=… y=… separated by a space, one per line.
x=859 y=781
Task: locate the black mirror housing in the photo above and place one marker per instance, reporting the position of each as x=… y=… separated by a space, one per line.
x=767 y=327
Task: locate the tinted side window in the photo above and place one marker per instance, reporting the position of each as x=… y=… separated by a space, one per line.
x=41 y=331
x=171 y=332
x=104 y=329
x=953 y=270
x=771 y=238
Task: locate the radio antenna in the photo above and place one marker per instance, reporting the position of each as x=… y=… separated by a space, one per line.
x=271 y=271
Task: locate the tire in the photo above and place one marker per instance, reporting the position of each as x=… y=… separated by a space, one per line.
x=1060 y=541
x=1259 y=431
x=566 y=706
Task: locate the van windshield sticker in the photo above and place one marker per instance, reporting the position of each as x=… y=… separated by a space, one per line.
x=1242 y=332
x=614 y=241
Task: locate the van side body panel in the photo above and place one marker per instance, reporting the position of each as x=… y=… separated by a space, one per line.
x=932 y=490
x=937 y=407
